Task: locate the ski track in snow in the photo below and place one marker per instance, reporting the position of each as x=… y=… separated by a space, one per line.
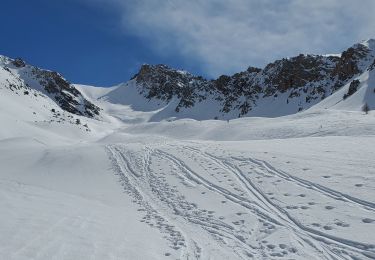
x=170 y=182
x=137 y=183
x=132 y=183
x=281 y=211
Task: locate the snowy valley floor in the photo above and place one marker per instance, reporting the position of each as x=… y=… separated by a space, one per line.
x=298 y=187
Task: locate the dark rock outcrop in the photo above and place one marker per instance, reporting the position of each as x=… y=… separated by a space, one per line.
x=164 y=83
x=65 y=94
x=352 y=88
x=19 y=63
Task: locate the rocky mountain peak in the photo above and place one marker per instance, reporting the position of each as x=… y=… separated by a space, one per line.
x=353 y=61
x=161 y=73
x=301 y=81
x=164 y=83
x=50 y=83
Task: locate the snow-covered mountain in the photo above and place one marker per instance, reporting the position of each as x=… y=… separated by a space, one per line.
x=283 y=87
x=99 y=173
x=28 y=80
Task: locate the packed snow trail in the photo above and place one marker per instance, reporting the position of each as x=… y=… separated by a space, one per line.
x=229 y=207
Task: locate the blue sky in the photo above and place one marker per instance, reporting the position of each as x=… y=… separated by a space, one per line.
x=85 y=43
x=103 y=42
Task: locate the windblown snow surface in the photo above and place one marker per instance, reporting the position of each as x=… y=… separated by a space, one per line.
x=294 y=187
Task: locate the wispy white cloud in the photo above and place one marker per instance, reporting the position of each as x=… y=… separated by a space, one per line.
x=224 y=36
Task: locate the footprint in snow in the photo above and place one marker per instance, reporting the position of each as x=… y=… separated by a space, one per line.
x=358 y=185
x=249 y=254
x=368 y=220
x=327 y=227
x=329 y=207
x=341 y=224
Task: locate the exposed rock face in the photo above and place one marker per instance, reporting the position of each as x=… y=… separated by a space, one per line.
x=164 y=83
x=296 y=72
x=65 y=94
x=49 y=83
x=372 y=66
x=348 y=65
x=351 y=63
x=19 y=63
x=302 y=81
x=352 y=88
x=231 y=89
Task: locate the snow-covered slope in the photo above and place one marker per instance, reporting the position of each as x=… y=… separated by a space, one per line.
x=171 y=190
x=35 y=115
x=118 y=186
